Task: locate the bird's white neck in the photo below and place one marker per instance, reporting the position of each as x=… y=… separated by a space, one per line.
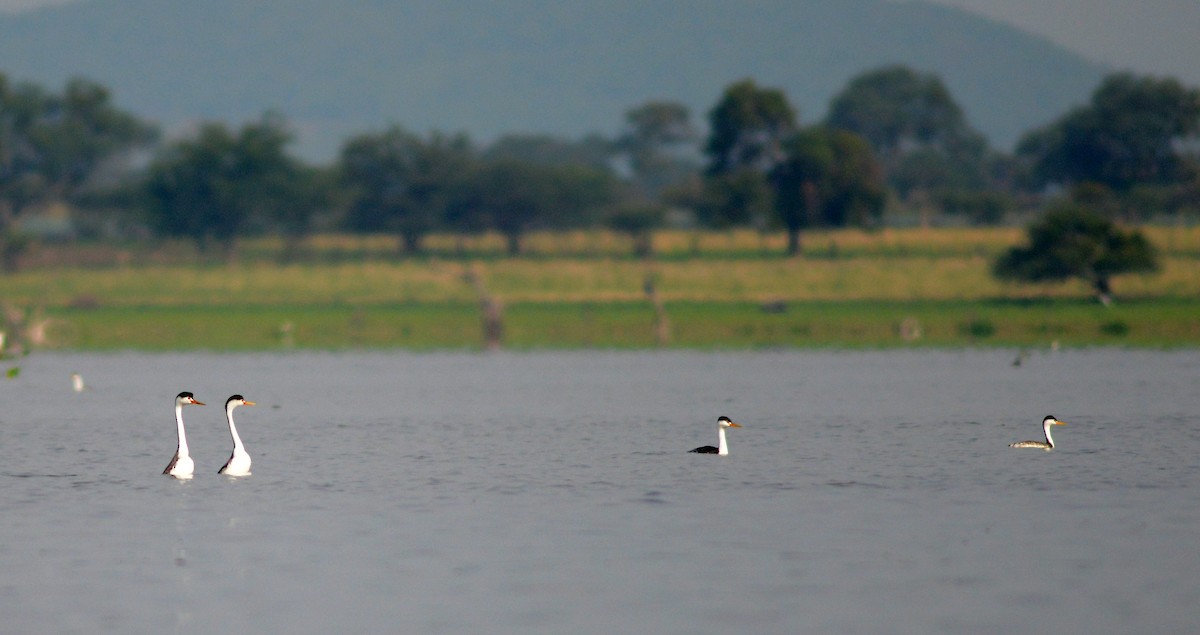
x=183 y=447
x=722 y=447
x=1049 y=439
x=237 y=441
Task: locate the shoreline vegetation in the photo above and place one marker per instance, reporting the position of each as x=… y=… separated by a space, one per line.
x=702 y=289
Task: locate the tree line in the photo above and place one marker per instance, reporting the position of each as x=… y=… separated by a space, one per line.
x=893 y=139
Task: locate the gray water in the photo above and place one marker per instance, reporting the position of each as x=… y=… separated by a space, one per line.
x=868 y=492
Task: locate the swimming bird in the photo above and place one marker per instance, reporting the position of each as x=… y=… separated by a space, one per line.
x=182 y=465
x=239 y=462
x=722 y=448
x=1046 y=445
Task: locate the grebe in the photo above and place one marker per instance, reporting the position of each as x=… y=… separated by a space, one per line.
x=239 y=462
x=182 y=465
x=1046 y=445
x=722 y=448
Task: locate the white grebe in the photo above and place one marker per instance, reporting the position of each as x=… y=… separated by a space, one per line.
x=182 y=466
x=722 y=448
x=239 y=462
x=1046 y=445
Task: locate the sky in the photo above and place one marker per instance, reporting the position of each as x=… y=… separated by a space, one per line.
x=1145 y=36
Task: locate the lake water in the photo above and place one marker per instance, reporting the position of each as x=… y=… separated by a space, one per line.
x=551 y=492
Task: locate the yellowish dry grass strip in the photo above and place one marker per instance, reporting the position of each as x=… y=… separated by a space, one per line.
x=563 y=280
x=1174 y=241
x=673 y=243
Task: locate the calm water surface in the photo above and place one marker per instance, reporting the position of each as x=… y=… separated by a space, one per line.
x=869 y=492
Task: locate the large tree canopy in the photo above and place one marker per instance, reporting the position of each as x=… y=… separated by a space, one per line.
x=915 y=126
x=828 y=178
x=747 y=128
x=654 y=134
x=1071 y=241
x=53 y=145
x=59 y=141
x=212 y=187
x=402 y=183
x=514 y=197
x=898 y=110
x=1131 y=133
x=739 y=198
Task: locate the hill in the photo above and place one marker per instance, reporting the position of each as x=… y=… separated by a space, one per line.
x=566 y=67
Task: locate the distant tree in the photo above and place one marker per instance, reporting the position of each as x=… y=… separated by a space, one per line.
x=1184 y=197
x=828 y=178
x=736 y=198
x=582 y=193
x=514 y=197
x=1071 y=241
x=638 y=222
x=219 y=184
x=981 y=208
x=53 y=146
x=747 y=128
x=658 y=125
x=401 y=183
x=1134 y=131
x=309 y=192
x=916 y=128
x=655 y=138
x=930 y=171
x=897 y=110
x=79 y=131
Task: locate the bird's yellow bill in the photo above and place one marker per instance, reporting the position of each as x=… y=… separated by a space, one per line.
x=198 y=403
x=1059 y=422
x=250 y=403
x=734 y=425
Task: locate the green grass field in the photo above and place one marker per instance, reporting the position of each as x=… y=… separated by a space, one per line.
x=423 y=326
x=719 y=290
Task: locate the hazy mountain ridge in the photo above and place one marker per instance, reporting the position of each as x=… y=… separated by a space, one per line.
x=487 y=67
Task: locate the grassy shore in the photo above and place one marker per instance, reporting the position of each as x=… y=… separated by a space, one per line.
x=728 y=290
x=421 y=326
